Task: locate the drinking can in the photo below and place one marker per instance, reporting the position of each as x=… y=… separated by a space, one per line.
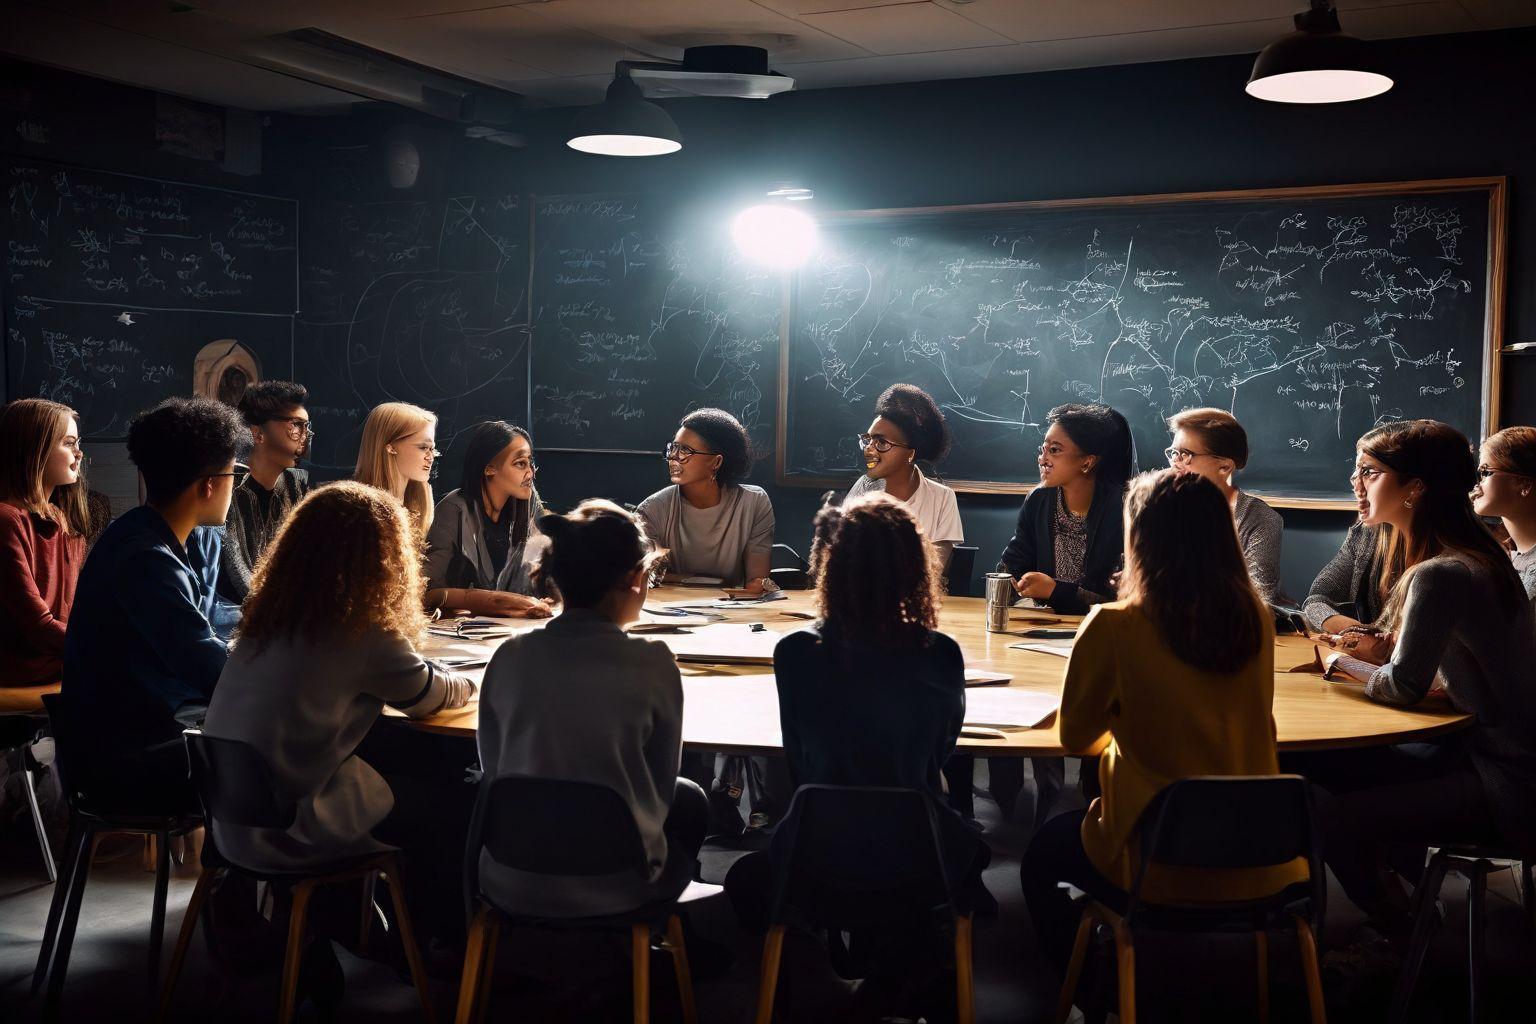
x=1000 y=595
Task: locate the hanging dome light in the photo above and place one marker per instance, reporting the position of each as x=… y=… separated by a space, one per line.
x=1317 y=63
x=625 y=124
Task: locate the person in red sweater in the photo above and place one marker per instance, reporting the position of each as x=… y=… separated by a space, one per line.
x=44 y=519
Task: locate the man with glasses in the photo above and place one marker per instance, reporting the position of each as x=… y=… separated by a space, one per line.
x=270 y=485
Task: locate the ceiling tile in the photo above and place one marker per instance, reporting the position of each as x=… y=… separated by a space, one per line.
x=495 y=42
x=1072 y=19
x=1501 y=13
x=906 y=28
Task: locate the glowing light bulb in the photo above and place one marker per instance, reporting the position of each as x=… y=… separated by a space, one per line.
x=775 y=234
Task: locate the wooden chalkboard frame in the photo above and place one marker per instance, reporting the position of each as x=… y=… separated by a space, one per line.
x=1497 y=188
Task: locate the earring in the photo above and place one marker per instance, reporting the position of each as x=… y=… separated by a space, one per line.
x=1526 y=493
x=391 y=450
x=1407 y=503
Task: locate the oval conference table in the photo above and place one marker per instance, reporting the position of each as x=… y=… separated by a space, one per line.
x=729 y=706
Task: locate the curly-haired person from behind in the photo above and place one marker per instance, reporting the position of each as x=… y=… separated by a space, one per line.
x=141 y=656
x=872 y=694
x=582 y=700
x=909 y=428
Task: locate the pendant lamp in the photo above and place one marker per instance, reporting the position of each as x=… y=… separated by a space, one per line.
x=1317 y=63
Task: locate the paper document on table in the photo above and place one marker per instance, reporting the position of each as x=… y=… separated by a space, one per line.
x=723 y=642
x=1008 y=706
x=1060 y=648
x=726 y=603
x=982 y=677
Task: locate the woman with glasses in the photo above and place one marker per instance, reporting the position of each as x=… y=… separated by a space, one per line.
x=396 y=454
x=271 y=483
x=909 y=427
x=1212 y=444
x=1454 y=615
x=708 y=523
x=43 y=524
x=481 y=538
x=1506 y=490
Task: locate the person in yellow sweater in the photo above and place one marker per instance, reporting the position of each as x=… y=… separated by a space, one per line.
x=1174 y=679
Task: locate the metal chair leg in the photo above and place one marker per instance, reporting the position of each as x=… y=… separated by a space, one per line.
x=66 y=934
x=37 y=823
x=1477 y=894
x=1418 y=944
x=79 y=837
x=157 y=912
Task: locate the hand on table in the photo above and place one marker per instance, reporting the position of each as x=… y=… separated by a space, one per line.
x=1036 y=585
x=517 y=606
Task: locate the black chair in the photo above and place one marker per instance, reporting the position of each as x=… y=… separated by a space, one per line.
x=1218 y=823
x=562 y=827
x=22 y=718
x=1474 y=861
x=90 y=818
x=863 y=857
x=962 y=561
x=235 y=785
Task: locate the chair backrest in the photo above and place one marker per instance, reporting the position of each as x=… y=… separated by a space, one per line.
x=556 y=827
x=839 y=845
x=235 y=784
x=962 y=562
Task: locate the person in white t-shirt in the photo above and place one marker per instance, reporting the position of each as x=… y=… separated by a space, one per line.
x=909 y=427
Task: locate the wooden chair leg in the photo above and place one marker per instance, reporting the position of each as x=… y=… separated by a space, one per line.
x=157 y=911
x=75 y=856
x=1125 y=958
x=1261 y=950
x=365 y=915
x=488 y=975
x=184 y=940
x=965 y=987
x=679 y=950
x=1309 y=967
x=396 y=881
x=1477 y=898
x=773 y=952
x=476 y=954
x=640 y=967
x=1424 y=920
x=1074 y=967
x=298 y=917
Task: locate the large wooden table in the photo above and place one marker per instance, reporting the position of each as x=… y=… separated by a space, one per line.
x=1310 y=714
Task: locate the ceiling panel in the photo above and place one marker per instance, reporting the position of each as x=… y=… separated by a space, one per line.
x=494 y=40
x=906 y=28
x=1501 y=13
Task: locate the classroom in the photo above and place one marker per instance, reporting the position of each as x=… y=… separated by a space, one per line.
x=773 y=510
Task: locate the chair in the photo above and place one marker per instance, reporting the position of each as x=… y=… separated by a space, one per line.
x=1474 y=861
x=235 y=785
x=961 y=563
x=861 y=857
x=89 y=819
x=21 y=715
x=1218 y=823
x=562 y=827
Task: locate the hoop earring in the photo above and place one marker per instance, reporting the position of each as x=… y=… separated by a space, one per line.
x=1407 y=503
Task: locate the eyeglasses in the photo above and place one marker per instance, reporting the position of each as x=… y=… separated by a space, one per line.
x=297 y=426
x=215 y=476
x=1180 y=456
x=73 y=444
x=879 y=443
x=1484 y=472
x=1365 y=474
x=681 y=453
x=428 y=450
x=1055 y=450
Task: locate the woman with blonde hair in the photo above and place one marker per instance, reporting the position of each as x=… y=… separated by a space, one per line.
x=396 y=455
x=1506 y=490
x=44 y=520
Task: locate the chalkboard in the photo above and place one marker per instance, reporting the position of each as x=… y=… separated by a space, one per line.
x=643 y=311
x=422 y=302
x=114 y=284
x=1310 y=314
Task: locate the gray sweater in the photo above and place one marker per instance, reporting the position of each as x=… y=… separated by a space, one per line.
x=1453 y=624
x=1347 y=584
x=1259 y=531
x=458 y=556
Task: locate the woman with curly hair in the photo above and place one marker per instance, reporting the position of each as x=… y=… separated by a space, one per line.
x=1506 y=490
x=396 y=454
x=908 y=428
x=708 y=522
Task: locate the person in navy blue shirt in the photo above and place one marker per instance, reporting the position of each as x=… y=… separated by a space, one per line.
x=141 y=655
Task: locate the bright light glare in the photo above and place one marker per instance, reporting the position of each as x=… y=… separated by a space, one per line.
x=775 y=234
x=1336 y=86
x=624 y=145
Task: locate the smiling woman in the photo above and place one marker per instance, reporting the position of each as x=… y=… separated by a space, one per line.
x=1506 y=489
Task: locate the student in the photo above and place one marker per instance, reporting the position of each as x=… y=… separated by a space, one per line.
x=44 y=520
x=272 y=484
x=1454 y=614
x=479 y=546
x=308 y=674
x=1213 y=444
x=396 y=454
x=1067 y=543
x=707 y=522
x=1345 y=594
x=580 y=699
x=1506 y=490
x=908 y=426
x=140 y=655
x=1175 y=679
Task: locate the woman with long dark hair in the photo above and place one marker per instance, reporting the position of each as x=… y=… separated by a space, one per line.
x=1454 y=614
x=483 y=538
x=1506 y=490
x=1172 y=680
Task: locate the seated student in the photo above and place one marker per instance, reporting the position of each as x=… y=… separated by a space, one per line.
x=280 y=433
x=1345 y=595
x=43 y=525
x=1212 y=443
x=1066 y=546
x=478 y=550
x=396 y=454
x=140 y=655
x=709 y=524
x=1505 y=487
x=1174 y=679
x=908 y=426
x=582 y=700
x=1454 y=614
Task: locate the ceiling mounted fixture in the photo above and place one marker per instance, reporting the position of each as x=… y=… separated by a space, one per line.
x=626 y=123
x=778 y=233
x=1317 y=63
